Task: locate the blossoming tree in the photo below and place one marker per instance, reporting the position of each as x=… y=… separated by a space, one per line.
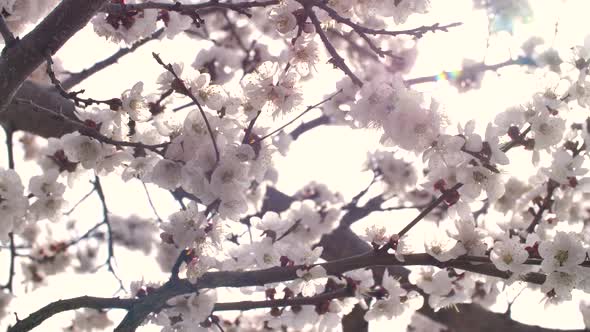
x=207 y=133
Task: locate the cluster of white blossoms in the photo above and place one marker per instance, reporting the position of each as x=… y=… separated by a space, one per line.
x=13 y=203
x=48 y=259
x=217 y=155
x=445 y=287
x=285 y=16
x=188 y=313
x=87 y=320
x=397 y=175
x=128 y=26
x=286 y=239
x=133 y=232
x=192 y=229
x=471 y=163
x=272 y=89
x=49 y=193
x=395 y=302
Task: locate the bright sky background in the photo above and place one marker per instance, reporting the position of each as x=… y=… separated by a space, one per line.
x=333 y=155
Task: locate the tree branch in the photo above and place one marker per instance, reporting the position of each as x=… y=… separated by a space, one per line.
x=6 y=34
x=77 y=78
x=309 y=108
x=106 y=221
x=361 y=30
x=311 y=300
x=139 y=309
x=336 y=59
x=56 y=307
x=24 y=118
x=476 y=68
x=187 y=92
x=190 y=8
x=306 y=126
x=89 y=131
x=11 y=267
x=19 y=61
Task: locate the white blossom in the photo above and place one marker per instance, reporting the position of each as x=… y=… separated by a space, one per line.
x=411 y=126
x=475 y=179
x=135 y=104
x=377 y=235
x=509 y=255
x=469 y=236
x=85 y=150
x=548 y=130
x=562 y=283
x=166 y=174
x=564 y=253
x=445 y=151
x=282 y=16
x=177 y=23
x=125 y=27
x=442 y=247
x=431 y=280
x=13 y=203
x=308 y=284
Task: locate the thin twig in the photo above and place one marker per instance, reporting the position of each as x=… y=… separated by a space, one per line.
x=355 y=199
x=416 y=32
x=309 y=108
x=187 y=92
x=289 y=230
x=85 y=235
x=186 y=9
x=248 y=132
x=429 y=208
x=113 y=103
x=545 y=205
x=106 y=221
x=80 y=201
x=307 y=126
x=77 y=78
x=11 y=267
x=297 y=301
x=336 y=59
x=478 y=67
x=181 y=107
x=90 y=131
x=149 y=197
x=9 y=130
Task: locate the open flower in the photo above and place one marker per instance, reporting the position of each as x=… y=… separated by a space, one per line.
x=478 y=178
x=509 y=255
x=548 y=130
x=564 y=253
x=135 y=104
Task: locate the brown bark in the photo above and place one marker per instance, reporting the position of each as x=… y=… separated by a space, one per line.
x=21 y=59
x=26 y=111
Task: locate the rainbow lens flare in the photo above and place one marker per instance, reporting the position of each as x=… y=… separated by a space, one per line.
x=448 y=75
